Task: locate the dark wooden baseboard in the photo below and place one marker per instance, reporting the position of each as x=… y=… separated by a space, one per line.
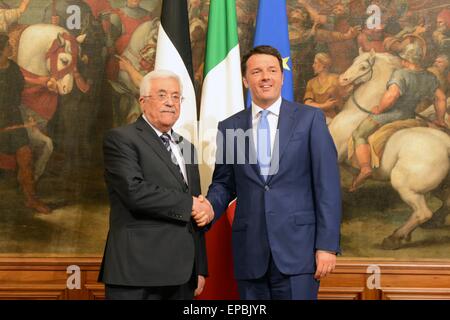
x=398 y=280
x=46 y=278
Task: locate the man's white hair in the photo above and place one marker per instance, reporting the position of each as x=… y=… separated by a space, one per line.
x=146 y=83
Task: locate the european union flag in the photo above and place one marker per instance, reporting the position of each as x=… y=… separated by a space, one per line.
x=272 y=29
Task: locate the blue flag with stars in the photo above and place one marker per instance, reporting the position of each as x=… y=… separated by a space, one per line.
x=272 y=30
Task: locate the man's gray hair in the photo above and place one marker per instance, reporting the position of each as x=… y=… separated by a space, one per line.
x=145 y=86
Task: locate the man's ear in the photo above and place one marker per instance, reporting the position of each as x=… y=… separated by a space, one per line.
x=141 y=103
x=245 y=82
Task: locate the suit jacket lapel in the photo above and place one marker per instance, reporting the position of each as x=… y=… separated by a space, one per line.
x=151 y=138
x=286 y=126
x=187 y=151
x=245 y=123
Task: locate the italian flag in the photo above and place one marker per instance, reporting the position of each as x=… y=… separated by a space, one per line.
x=222 y=96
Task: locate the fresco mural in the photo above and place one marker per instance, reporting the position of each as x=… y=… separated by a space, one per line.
x=345 y=54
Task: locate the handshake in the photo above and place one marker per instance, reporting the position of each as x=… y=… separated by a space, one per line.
x=202 y=211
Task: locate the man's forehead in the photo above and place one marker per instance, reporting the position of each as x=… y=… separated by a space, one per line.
x=165 y=84
x=165 y=90
x=263 y=59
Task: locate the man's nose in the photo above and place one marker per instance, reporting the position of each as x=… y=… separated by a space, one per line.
x=265 y=75
x=170 y=100
x=170 y=103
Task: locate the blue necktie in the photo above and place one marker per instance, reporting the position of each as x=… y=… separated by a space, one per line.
x=263 y=150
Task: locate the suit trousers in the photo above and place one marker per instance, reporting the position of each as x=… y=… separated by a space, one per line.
x=277 y=286
x=180 y=292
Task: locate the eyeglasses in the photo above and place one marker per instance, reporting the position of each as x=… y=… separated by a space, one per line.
x=163 y=96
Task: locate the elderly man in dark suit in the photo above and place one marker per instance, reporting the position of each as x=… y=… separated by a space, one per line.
x=155 y=248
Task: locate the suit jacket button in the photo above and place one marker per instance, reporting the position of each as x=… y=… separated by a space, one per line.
x=267 y=188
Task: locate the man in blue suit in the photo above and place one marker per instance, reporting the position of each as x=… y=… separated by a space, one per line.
x=279 y=160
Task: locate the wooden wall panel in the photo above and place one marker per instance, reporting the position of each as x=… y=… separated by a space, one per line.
x=398 y=280
x=341 y=293
x=45 y=278
x=416 y=294
x=33 y=292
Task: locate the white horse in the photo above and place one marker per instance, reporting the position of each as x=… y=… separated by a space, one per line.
x=415 y=160
x=35 y=42
x=140 y=52
x=45 y=51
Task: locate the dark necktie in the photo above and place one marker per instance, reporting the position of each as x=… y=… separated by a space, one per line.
x=166 y=141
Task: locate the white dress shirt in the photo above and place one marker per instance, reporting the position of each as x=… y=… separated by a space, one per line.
x=272 y=118
x=175 y=149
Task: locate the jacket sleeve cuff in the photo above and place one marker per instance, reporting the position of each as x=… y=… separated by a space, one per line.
x=183 y=211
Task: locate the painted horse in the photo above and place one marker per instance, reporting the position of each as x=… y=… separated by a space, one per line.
x=47 y=56
x=415 y=160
